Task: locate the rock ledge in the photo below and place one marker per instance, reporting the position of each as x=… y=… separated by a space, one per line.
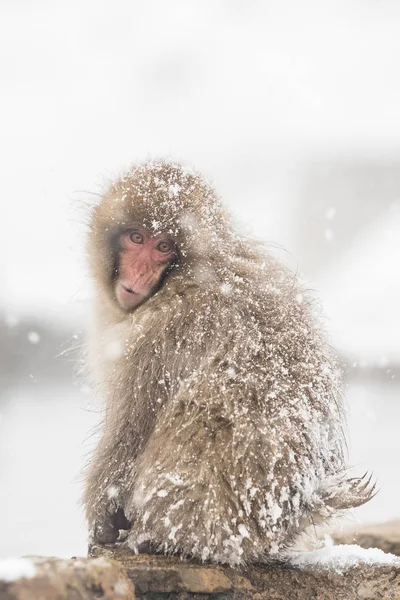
x=114 y=573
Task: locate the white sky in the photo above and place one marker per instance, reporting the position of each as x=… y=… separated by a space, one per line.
x=362 y=294
x=247 y=91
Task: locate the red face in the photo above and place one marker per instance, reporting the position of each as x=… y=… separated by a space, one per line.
x=142 y=262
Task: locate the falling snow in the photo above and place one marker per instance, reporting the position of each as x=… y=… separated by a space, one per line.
x=330 y=213
x=33 y=337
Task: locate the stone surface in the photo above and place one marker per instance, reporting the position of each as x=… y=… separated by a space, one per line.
x=75 y=579
x=113 y=572
x=385 y=536
x=167 y=578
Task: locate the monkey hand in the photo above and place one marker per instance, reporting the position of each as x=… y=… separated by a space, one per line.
x=106 y=529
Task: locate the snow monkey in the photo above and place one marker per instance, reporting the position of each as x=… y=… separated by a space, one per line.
x=222 y=436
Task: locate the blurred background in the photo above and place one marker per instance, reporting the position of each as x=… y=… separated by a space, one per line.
x=291 y=108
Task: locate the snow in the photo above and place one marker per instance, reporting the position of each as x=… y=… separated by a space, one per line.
x=112 y=491
x=33 y=337
x=330 y=213
x=243 y=531
x=226 y=288
x=343 y=557
x=12 y=569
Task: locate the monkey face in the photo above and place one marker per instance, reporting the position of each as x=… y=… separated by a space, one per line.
x=153 y=203
x=143 y=262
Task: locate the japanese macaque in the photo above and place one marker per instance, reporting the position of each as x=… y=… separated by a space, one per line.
x=222 y=436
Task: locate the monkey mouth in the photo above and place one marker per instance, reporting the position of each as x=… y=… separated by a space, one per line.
x=128 y=298
x=127 y=289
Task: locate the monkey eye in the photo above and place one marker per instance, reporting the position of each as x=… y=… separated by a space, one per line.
x=164 y=247
x=136 y=237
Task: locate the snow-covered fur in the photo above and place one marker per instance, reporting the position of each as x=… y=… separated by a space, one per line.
x=223 y=430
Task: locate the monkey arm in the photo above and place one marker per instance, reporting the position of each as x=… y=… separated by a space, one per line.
x=107 y=484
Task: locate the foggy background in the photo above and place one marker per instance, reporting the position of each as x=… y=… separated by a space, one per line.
x=291 y=107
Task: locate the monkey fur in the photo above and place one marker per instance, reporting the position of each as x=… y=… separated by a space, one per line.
x=222 y=436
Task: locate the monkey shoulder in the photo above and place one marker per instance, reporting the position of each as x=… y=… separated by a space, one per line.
x=244 y=311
